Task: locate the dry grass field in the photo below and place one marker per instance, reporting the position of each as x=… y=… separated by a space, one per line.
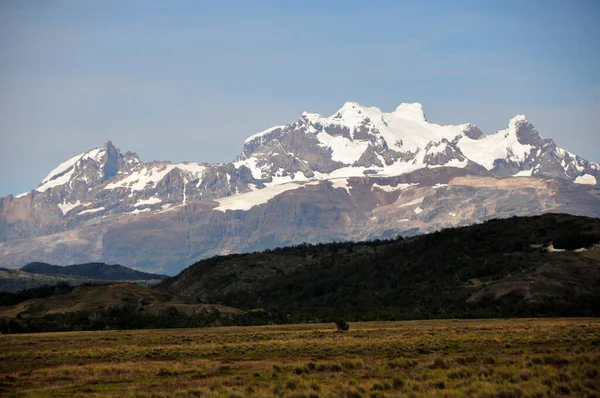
x=489 y=358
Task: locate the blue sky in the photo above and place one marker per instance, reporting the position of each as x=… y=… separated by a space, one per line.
x=189 y=80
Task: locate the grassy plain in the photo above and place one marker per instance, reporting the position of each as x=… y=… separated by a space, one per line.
x=490 y=358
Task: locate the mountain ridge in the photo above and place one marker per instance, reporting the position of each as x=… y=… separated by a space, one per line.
x=92 y=270
x=42 y=274
x=365 y=165
x=353 y=117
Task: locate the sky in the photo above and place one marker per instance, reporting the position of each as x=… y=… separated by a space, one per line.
x=190 y=80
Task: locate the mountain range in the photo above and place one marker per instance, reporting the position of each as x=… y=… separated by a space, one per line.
x=358 y=174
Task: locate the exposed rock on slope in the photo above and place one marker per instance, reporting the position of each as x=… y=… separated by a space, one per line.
x=358 y=174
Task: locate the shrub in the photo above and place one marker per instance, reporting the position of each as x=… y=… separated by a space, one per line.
x=398 y=384
x=440 y=385
x=489 y=361
x=291 y=385
x=439 y=363
x=349 y=365
x=402 y=363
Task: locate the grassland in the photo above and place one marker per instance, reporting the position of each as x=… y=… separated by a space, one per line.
x=491 y=358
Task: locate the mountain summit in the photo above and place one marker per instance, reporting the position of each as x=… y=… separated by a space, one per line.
x=357 y=140
x=390 y=172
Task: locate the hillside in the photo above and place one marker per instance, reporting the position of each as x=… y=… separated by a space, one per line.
x=99 y=297
x=93 y=270
x=498 y=268
x=14 y=280
x=39 y=274
x=109 y=306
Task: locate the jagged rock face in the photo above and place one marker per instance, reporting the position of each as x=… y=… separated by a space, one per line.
x=113 y=161
x=473 y=132
x=358 y=174
x=527 y=133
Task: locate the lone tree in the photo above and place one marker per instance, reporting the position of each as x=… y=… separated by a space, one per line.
x=341 y=325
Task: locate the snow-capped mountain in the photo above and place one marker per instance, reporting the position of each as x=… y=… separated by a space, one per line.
x=386 y=166
x=357 y=140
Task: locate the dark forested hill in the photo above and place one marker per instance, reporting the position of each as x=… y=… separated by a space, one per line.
x=41 y=274
x=522 y=266
x=529 y=266
x=93 y=271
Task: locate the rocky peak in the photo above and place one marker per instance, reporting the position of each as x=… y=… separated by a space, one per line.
x=473 y=132
x=350 y=113
x=111 y=161
x=88 y=169
x=525 y=131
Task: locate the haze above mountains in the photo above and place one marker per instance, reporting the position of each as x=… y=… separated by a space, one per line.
x=358 y=174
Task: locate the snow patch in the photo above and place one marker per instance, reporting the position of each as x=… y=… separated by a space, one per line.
x=343 y=150
x=390 y=188
x=252 y=164
x=261 y=134
x=62 y=168
x=21 y=195
x=278 y=179
x=418 y=210
x=341 y=183
x=150 y=176
x=413 y=202
x=66 y=207
x=138 y=211
x=196 y=169
x=151 y=201
x=90 y=211
x=523 y=173
x=586 y=179
x=452 y=163
x=247 y=200
x=140 y=180
x=551 y=249
x=61 y=180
